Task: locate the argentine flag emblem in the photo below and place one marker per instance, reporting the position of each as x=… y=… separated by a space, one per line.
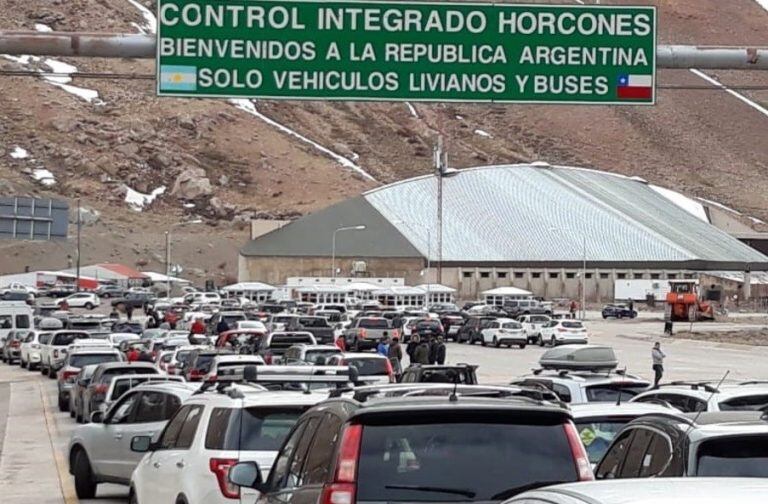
x=178 y=78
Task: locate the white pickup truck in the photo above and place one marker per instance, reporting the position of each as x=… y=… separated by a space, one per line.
x=532 y=325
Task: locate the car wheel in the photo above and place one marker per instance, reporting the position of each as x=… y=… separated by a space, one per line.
x=42 y=369
x=521 y=346
x=85 y=486
x=63 y=404
x=105 y=295
x=51 y=374
x=89 y=306
x=22 y=364
x=553 y=341
x=71 y=413
x=496 y=342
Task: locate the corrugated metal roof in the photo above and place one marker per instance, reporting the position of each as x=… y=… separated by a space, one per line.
x=522 y=213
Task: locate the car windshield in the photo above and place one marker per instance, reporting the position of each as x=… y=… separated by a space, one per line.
x=81 y=360
x=284 y=341
x=610 y=392
x=117 y=371
x=538 y=320
x=571 y=325
x=251 y=429
x=65 y=339
x=597 y=435
x=743 y=456
x=407 y=463
x=313 y=322
x=511 y=325
x=757 y=402
x=369 y=366
x=374 y=324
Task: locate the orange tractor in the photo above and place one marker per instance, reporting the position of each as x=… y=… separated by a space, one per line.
x=684 y=303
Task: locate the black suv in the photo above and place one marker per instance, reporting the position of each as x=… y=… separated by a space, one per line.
x=470 y=331
x=437 y=373
x=421 y=449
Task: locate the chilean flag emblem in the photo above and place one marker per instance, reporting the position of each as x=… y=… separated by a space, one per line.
x=635 y=87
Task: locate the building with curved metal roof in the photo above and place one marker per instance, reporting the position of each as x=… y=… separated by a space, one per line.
x=528 y=226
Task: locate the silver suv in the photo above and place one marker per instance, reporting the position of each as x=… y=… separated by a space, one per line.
x=100 y=452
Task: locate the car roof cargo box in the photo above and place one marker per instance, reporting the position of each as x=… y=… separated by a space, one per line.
x=579 y=357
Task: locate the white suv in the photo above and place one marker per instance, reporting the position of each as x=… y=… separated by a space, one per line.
x=210 y=433
x=87 y=300
x=100 y=452
x=52 y=354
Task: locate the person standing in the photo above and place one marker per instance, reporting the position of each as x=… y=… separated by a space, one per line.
x=341 y=343
x=383 y=347
x=129 y=312
x=631 y=306
x=395 y=356
x=222 y=326
x=421 y=353
x=658 y=363
x=410 y=349
x=572 y=309
x=440 y=351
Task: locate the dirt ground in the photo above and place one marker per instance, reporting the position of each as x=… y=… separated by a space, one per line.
x=743 y=337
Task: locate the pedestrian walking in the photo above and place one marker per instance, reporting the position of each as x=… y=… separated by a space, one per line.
x=432 y=350
x=129 y=312
x=133 y=354
x=440 y=351
x=395 y=355
x=421 y=353
x=658 y=363
x=631 y=306
x=572 y=309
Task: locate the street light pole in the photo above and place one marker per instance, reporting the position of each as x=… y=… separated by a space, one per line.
x=79 y=227
x=584 y=281
x=333 y=245
x=168 y=264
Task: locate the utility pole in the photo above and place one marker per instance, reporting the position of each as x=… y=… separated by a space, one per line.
x=79 y=226
x=440 y=163
x=168 y=263
x=584 y=281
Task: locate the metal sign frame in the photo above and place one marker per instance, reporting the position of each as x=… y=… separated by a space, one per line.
x=24 y=218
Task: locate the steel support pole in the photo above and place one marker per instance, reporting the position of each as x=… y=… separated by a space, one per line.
x=131 y=45
x=168 y=264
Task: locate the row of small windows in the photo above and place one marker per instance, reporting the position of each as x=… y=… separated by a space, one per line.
x=572 y=275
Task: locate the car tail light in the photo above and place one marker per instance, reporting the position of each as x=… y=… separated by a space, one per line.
x=194 y=374
x=583 y=467
x=560 y=329
x=344 y=486
x=66 y=375
x=15 y=344
x=220 y=467
x=362 y=333
x=395 y=333
x=101 y=388
x=268 y=358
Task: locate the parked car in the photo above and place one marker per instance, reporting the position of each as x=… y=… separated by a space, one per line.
x=135 y=300
x=532 y=325
x=518 y=307
x=231 y=317
x=371 y=367
x=87 y=300
x=694 y=397
x=366 y=332
x=12 y=345
x=319 y=327
x=274 y=345
x=438 y=373
x=74 y=362
x=404 y=450
x=96 y=393
x=121 y=384
x=100 y=452
x=109 y=291
x=198 y=364
x=563 y=332
x=702 y=444
x=209 y=434
x=223 y=364
x=81 y=382
x=125 y=326
x=654 y=491
x=471 y=331
x=14 y=316
x=53 y=353
x=452 y=322
x=308 y=354
x=618 y=311
x=31 y=349
x=504 y=331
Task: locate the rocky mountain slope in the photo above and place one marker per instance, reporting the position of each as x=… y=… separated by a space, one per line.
x=147 y=164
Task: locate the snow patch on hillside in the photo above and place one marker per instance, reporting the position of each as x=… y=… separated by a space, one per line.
x=137 y=201
x=248 y=106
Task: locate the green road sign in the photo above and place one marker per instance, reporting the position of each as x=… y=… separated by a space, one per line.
x=342 y=50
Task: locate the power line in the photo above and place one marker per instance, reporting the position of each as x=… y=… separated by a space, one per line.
x=135 y=76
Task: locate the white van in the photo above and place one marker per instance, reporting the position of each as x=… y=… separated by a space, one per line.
x=14 y=315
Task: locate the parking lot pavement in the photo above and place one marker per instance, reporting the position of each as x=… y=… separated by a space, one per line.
x=33 y=464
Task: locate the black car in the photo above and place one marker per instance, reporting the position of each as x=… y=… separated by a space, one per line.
x=465 y=374
x=618 y=311
x=421 y=449
x=470 y=331
x=127 y=327
x=110 y=291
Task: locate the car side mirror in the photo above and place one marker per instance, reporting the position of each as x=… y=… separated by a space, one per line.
x=97 y=417
x=246 y=474
x=141 y=444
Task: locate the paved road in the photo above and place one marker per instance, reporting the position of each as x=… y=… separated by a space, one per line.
x=34 y=438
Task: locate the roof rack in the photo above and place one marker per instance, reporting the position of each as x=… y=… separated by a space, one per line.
x=594 y=358
x=705 y=386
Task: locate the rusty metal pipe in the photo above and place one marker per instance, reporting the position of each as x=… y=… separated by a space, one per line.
x=712 y=57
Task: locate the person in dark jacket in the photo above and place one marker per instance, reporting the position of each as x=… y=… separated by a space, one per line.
x=395 y=356
x=222 y=326
x=145 y=356
x=411 y=347
x=421 y=353
x=440 y=351
x=432 y=350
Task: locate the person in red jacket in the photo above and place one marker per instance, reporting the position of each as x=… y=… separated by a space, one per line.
x=198 y=327
x=133 y=354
